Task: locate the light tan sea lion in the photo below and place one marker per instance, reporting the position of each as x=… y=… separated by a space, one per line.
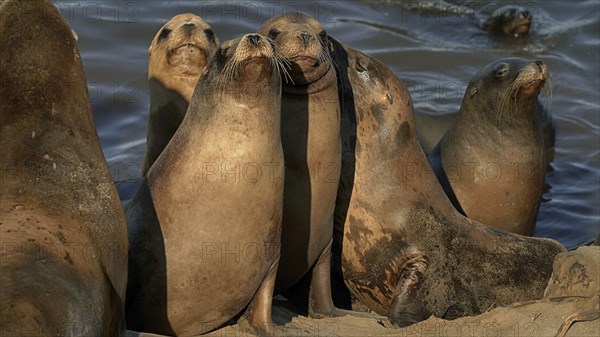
x=491 y=162
x=205 y=226
x=63 y=238
x=178 y=54
x=311 y=142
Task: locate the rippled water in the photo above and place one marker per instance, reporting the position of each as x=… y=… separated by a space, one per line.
x=435 y=52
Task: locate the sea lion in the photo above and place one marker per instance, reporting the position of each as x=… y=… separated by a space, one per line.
x=205 y=225
x=512 y=21
x=491 y=162
x=406 y=252
x=176 y=57
x=63 y=263
x=311 y=142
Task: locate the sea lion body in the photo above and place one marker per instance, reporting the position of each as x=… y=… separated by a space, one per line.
x=406 y=252
x=205 y=226
x=311 y=143
x=491 y=162
x=63 y=265
x=178 y=54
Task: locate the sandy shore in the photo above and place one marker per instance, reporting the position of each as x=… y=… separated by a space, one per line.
x=570 y=307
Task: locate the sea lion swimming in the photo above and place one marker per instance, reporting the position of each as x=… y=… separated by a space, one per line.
x=511 y=21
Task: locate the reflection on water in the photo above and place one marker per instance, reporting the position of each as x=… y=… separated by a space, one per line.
x=434 y=51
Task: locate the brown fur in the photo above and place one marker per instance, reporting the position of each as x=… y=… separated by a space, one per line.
x=176 y=58
x=63 y=266
x=511 y=21
x=205 y=241
x=311 y=143
x=407 y=253
x=491 y=162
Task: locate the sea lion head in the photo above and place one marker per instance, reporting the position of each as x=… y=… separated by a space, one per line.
x=181 y=48
x=302 y=41
x=505 y=86
x=509 y=20
x=248 y=58
x=243 y=66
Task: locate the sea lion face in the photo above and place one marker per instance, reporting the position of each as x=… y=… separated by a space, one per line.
x=249 y=58
x=505 y=84
x=509 y=20
x=182 y=47
x=302 y=41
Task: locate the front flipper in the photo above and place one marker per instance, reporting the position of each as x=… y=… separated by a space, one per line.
x=257 y=317
x=406 y=308
x=320 y=303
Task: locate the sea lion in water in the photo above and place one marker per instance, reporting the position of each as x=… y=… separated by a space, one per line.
x=178 y=54
x=512 y=21
x=311 y=142
x=407 y=253
x=205 y=226
x=63 y=264
x=491 y=162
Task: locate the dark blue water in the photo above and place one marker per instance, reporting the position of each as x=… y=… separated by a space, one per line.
x=435 y=52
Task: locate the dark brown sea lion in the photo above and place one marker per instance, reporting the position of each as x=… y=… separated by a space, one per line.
x=63 y=263
x=512 y=21
x=178 y=54
x=205 y=226
x=311 y=142
x=491 y=162
x=407 y=253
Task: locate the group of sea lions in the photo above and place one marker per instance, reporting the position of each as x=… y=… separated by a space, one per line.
x=266 y=154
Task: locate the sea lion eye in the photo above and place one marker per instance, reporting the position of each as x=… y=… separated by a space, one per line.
x=502 y=70
x=273 y=33
x=164 y=33
x=210 y=35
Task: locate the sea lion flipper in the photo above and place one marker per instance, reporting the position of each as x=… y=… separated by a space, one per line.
x=406 y=308
x=320 y=302
x=257 y=317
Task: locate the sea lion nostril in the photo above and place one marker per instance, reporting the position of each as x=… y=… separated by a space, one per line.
x=189 y=25
x=540 y=65
x=254 y=39
x=305 y=37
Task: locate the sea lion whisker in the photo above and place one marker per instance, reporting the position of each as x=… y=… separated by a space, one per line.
x=283 y=64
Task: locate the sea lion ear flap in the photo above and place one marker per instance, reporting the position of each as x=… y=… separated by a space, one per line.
x=473 y=91
x=75 y=35
x=330 y=47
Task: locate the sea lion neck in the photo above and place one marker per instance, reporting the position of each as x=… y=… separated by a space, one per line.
x=326 y=82
x=227 y=101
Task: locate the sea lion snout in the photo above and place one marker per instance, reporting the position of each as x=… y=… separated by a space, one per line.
x=305 y=38
x=254 y=39
x=535 y=71
x=189 y=25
